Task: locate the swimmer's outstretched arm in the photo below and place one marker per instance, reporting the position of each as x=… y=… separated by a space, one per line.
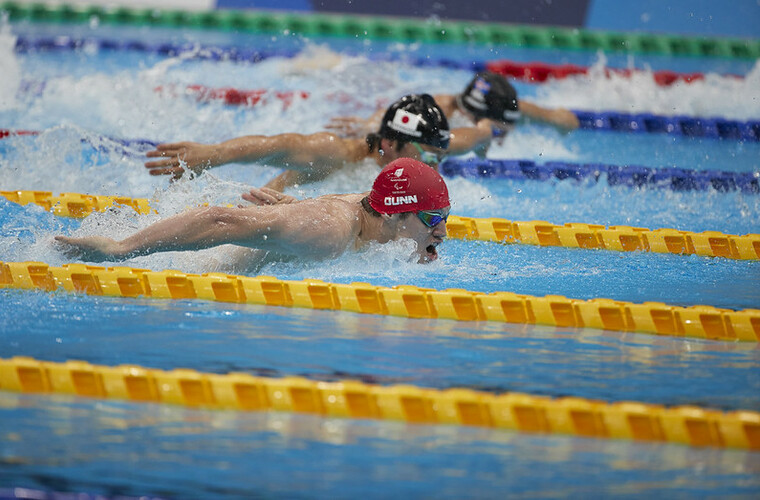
x=287 y=229
x=192 y=230
x=309 y=153
x=466 y=139
x=559 y=117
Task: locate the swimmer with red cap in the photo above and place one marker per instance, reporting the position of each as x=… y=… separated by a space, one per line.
x=408 y=200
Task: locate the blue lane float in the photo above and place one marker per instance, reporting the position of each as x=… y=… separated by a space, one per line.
x=676 y=179
x=690 y=126
x=62 y=43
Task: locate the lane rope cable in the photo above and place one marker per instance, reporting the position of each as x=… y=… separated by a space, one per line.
x=530 y=72
x=636 y=176
x=697 y=321
x=390 y=28
x=677 y=179
x=539 y=233
x=687 y=425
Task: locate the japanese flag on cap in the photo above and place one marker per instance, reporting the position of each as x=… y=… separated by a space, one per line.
x=406 y=123
x=407 y=185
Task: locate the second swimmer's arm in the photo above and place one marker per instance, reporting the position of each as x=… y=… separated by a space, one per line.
x=292 y=151
x=559 y=117
x=466 y=139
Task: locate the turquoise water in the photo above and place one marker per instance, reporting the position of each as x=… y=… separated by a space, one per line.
x=113 y=448
x=67 y=444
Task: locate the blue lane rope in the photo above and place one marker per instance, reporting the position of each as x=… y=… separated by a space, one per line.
x=716 y=127
x=692 y=126
x=676 y=179
x=23 y=493
x=165 y=49
x=216 y=53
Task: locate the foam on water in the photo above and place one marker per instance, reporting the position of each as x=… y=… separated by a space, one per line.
x=141 y=445
x=715 y=96
x=9 y=67
x=78 y=111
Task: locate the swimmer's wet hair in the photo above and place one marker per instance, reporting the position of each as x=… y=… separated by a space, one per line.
x=368 y=208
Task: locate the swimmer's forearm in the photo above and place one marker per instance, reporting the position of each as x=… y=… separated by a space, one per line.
x=278 y=149
x=313 y=153
x=559 y=117
x=464 y=140
x=246 y=149
x=193 y=230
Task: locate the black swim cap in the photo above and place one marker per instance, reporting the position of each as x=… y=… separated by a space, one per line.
x=489 y=95
x=416 y=118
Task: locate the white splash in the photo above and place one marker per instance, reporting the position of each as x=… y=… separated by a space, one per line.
x=599 y=90
x=9 y=67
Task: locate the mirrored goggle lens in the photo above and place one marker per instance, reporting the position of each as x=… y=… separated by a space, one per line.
x=433 y=218
x=429 y=157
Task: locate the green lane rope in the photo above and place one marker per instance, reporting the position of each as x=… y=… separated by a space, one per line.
x=401 y=29
x=688 y=425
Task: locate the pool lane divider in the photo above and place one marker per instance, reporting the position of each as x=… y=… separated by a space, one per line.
x=681 y=125
x=697 y=321
x=76 y=205
x=390 y=28
x=529 y=72
x=596 y=121
x=130 y=143
x=675 y=179
x=539 y=233
x=685 y=425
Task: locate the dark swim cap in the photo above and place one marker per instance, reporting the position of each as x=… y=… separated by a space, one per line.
x=407 y=185
x=416 y=118
x=491 y=96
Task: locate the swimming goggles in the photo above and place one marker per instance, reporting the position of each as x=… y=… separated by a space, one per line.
x=432 y=218
x=427 y=156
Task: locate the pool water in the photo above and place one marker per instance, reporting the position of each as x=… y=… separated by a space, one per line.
x=115 y=448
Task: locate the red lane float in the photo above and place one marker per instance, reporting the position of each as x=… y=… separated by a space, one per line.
x=241 y=97
x=538 y=72
x=237 y=97
x=4 y=132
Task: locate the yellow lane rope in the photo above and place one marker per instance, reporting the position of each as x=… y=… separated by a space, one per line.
x=697 y=321
x=687 y=425
x=541 y=233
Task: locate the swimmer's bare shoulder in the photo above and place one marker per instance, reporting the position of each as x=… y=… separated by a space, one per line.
x=321 y=227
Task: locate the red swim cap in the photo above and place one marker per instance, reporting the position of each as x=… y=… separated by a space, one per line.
x=407 y=185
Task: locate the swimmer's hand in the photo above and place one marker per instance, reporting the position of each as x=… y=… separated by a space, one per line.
x=180 y=156
x=350 y=126
x=565 y=119
x=90 y=248
x=267 y=196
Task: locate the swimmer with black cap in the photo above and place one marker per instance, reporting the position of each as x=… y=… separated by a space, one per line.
x=408 y=200
x=487 y=106
x=412 y=127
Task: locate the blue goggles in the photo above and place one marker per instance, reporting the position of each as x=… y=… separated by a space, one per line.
x=428 y=157
x=432 y=218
